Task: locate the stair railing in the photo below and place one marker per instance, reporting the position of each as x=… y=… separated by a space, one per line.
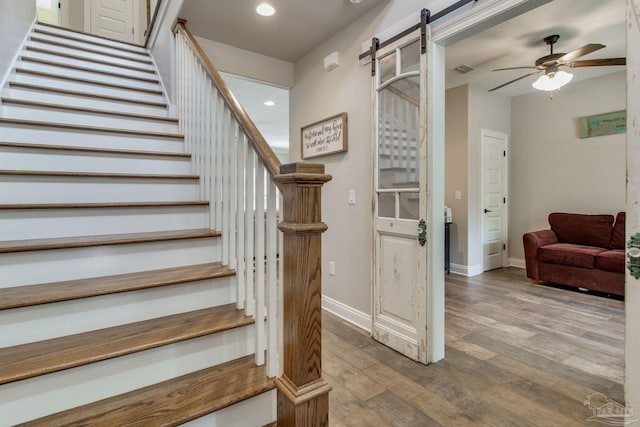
x=243 y=180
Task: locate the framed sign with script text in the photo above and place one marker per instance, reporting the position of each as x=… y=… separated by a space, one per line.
x=324 y=137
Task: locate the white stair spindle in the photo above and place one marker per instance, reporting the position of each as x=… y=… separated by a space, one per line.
x=260 y=272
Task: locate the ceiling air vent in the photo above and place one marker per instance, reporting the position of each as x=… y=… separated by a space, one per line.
x=464 y=68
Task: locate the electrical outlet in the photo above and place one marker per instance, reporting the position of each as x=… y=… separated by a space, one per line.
x=332 y=268
x=458 y=195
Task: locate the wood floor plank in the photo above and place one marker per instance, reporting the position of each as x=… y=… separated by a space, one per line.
x=516 y=354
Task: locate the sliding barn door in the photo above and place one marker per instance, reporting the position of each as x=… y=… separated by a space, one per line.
x=400 y=180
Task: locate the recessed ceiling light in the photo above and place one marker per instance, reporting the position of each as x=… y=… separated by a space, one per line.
x=265 y=9
x=269 y=103
x=355 y=1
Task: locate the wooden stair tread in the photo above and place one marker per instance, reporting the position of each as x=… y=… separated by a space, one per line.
x=97 y=174
x=93 y=149
x=38 y=39
x=43 y=357
x=103 y=205
x=90 y=60
x=86 y=94
x=70 y=33
x=89 y=70
x=38 y=104
x=86 y=81
x=10 y=246
x=172 y=402
x=90 y=128
x=45 y=293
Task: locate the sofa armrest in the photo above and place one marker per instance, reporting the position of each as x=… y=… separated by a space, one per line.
x=532 y=241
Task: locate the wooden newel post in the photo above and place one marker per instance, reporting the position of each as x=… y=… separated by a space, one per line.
x=303 y=395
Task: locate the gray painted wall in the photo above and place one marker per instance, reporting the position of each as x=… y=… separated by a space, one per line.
x=552 y=169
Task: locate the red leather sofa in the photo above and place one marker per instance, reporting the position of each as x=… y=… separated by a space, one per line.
x=583 y=251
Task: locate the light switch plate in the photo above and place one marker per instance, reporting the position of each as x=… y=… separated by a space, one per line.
x=352 y=197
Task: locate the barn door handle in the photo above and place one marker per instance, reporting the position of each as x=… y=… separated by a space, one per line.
x=486 y=210
x=422 y=232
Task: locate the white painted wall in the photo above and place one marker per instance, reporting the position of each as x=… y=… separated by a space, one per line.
x=469 y=109
x=161 y=44
x=248 y=64
x=16 y=18
x=552 y=169
x=632 y=292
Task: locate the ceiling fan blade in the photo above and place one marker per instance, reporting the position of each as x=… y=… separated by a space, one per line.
x=530 y=67
x=598 y=62
x=588 y=48
x=515 y=80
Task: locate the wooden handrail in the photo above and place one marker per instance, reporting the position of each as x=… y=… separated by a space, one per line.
x=266 y=154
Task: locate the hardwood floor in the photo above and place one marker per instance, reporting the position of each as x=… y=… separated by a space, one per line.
x=516 y=355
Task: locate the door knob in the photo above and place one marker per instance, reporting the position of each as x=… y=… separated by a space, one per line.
x=486 y=210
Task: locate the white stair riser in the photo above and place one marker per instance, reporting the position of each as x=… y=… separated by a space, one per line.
x=42 y=135
x=49 y=223
x=25 y=112
x=61 y=160
x=35 y=189
x=48 y=321
x=50 y=97
x=55 y=392
x=89 y=76
x=28 y=268
x=90 y=56
x=48 y=40
x=257 y=411
x=87 y=88
x=89 y=38
x=87 y=64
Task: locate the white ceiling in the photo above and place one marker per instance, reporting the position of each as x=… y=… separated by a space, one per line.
x=296 y=28
x=518 y=42
x=300 y=25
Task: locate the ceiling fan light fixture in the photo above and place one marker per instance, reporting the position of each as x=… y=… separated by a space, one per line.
x=265 y=9
x=552 y=81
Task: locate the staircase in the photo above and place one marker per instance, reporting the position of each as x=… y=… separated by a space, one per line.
x=115 y=307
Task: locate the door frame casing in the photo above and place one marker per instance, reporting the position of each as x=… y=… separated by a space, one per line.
x=483 y=15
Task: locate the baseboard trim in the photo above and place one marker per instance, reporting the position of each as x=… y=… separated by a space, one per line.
x=355 y=317
x=464 y=270
x=516 y=262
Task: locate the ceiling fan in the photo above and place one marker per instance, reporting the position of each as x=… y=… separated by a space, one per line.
x=553 y=78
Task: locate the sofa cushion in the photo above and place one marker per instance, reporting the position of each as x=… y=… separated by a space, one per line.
x=569 y=254
x=580 y=229
x=618 y=233
x=612 y=260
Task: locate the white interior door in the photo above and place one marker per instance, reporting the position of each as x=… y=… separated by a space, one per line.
x=400 y=257
x=494 y=198
x=113 y=19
